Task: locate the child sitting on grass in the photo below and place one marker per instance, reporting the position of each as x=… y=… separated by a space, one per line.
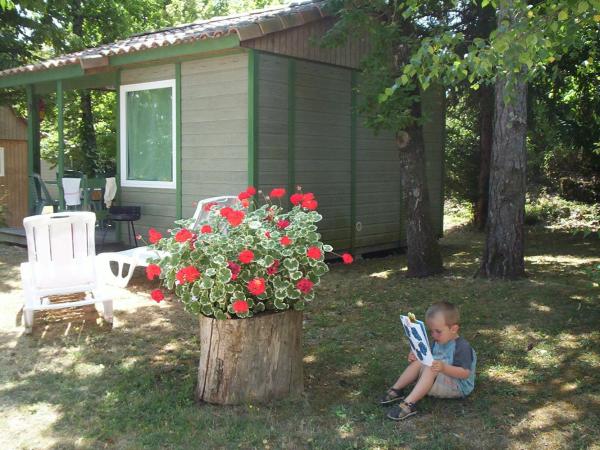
x=452 y=374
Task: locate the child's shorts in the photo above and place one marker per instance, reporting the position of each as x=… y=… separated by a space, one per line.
x=445 y=387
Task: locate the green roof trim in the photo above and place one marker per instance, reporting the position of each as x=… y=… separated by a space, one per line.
x=173 y=51
x=72 y=71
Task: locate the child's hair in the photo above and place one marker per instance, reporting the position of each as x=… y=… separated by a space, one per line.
x=447 y=309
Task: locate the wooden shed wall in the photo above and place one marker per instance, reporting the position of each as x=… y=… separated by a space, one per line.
x=13 y=185
x=158 y=205
x=298 y=43
x=321 y=104
x=12 y=127
x=214 y=109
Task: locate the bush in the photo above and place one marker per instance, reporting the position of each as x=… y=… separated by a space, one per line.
x=554 y=211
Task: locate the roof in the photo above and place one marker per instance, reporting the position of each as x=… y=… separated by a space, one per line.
x=250 y=25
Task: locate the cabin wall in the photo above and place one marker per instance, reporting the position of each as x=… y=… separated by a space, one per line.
x=214 y=128
x=317 y=98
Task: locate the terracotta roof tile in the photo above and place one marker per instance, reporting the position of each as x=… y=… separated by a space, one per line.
x=249 y=25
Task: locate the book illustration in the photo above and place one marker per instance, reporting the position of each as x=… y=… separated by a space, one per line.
x=417 y=338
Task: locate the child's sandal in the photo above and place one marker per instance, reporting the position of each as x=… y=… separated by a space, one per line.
x=391 y=396
x=402 y=411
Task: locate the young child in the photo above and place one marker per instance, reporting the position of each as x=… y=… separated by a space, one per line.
x=452 y=374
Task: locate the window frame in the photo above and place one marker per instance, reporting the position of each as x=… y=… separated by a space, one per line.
x=124 y=89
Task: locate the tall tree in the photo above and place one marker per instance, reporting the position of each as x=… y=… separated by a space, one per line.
x=528 y=37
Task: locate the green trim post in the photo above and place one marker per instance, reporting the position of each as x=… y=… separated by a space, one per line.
x=291 y=126
x=61 y=137
x=30 y=138
x=178 y=192
x=118 y=146
x=253 y=68
x=353 y=124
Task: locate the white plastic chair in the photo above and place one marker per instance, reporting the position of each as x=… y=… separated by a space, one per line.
x=61 y=261
x=127 y=260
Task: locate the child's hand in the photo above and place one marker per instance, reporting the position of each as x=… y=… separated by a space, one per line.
x=411 y=356
x=437 y=366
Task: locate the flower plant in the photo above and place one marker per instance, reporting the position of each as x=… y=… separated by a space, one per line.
x=246 y=259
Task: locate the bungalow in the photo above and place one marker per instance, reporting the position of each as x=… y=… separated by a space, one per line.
x=208 y=108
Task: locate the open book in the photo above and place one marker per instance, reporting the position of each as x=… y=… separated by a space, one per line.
x=417 y=337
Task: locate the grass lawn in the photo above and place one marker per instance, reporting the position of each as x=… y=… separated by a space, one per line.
x=75 y=383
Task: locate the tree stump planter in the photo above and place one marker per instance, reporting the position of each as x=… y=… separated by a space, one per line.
x=250 y=360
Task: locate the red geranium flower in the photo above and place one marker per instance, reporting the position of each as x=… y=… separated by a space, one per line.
x=251 y=190
x=235 y=269
x=154 y=236
x=304 y=285
x=245 y=202
x=311 y=205
x=285 y=241
x=225 y=211
x=314 y=253
x=240 y=307
x=206 y=229
x=283 y=224
x=296 y=199
x=184 y=235
x=308 y=196
x=256 y=286
x=267 y=234
x=347 y=258
x=188 y=274
x=157 y=295
x=273 y=268
x=244 y=195
x=208 y=206
x=277 y=193
x=235 y=218
x=152 y=271
x=246 y=256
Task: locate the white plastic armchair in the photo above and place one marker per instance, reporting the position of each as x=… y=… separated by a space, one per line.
x=61 y=261
x=127 y=260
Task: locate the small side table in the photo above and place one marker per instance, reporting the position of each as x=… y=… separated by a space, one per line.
x=125 y=214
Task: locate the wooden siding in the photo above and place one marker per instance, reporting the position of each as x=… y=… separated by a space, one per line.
x=378 y=191
x=273 y=122
x=322 y=144
x=11 y=126
x=13 y=186
x=214 y=105
x=158 y=205
x=298 y=43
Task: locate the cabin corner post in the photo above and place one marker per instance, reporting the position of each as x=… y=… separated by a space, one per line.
x=253 y=71
x=178 y=118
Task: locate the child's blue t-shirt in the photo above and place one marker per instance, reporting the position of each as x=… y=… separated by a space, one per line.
x=458 y=352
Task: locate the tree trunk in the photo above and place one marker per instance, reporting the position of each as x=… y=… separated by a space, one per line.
x=503 y=255
x=423 y=252
x=88 y=133
x=250 y=360
x=486 y=129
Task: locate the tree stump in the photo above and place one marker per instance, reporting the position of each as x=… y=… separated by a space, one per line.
x=250 y=360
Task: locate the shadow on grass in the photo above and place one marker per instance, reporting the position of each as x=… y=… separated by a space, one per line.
x=133 y=386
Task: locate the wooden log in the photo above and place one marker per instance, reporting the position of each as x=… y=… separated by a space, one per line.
x=250 y=360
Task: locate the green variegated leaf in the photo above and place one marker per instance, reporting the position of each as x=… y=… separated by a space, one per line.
x=290 y=264
x=293 y=293
x=280 y=295
x=300 y=305
x=223 y=275
x=296 y=275
x=259 y=307
x=207 y=310
x=210 y=272
x=220 y=315
x=280 y=304
x=327 y=248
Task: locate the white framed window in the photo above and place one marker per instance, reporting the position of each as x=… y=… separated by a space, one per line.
x=148 y=127
x=2 y=162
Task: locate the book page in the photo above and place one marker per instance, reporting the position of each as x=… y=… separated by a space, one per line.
x=417 y=338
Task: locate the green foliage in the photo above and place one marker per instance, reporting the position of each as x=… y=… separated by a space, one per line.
x=556 y=212
x=274 y=278
x=461 y=164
